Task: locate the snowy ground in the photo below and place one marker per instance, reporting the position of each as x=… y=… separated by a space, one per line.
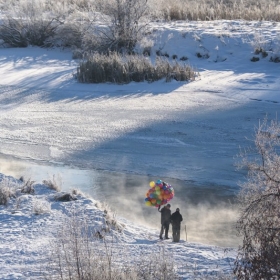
x=26 y=237
x=188 y=131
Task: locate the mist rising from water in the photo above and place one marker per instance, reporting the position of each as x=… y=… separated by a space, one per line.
x=208 y=212
x=207 y=217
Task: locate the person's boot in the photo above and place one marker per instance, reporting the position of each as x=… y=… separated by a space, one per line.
x=160 y=237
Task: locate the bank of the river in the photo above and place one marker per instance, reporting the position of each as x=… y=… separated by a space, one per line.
x=209 y=211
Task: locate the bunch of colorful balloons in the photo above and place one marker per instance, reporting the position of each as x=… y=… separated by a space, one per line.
x=159 y=193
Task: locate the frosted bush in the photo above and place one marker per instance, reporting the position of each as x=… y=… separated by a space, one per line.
x=55 y=183
x=41 y=207
x=7 y=190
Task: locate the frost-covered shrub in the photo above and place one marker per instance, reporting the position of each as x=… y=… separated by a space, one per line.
x=29 y=23
x=125 y=24
x=41 y=207
x=41 y=32
x=79 y=251
x=23 y=32
x=76 y=30
x=91 y=42
x=28 y=187
x=110 y=218
x=54 y=183
x=121 y=69
x=259 y=198
x=12 y=33
x=159 y=265
x=68 y=35
x=5 y=195
x=7 y=190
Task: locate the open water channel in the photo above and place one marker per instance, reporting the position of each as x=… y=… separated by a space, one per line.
x=209 y=211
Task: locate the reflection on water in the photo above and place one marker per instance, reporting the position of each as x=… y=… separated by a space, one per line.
x=209 y=212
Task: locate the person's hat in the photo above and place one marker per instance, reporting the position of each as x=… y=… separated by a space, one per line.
x=177 y=209
x=168 y=205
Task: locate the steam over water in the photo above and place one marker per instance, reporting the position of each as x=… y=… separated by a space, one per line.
x=209 y=211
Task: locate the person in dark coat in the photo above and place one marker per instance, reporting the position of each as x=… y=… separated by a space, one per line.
x=165 y=220
x=176 y=219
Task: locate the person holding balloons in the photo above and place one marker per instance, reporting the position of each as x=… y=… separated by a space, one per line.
x=160 y=193
x=165 y=220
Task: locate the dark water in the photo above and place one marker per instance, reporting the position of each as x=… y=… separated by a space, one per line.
x=209 y=211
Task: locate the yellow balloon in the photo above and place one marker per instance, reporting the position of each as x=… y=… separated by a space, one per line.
x=152 y=184
x=148 y=203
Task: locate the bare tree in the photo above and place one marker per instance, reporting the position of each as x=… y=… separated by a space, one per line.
x=259 y=198
x=125 y=24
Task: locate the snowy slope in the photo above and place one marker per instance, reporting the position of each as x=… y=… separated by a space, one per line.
x=26 y=237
